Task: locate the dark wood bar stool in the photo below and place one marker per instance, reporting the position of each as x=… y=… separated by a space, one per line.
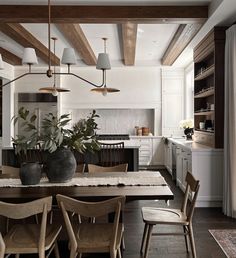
x=111 y=154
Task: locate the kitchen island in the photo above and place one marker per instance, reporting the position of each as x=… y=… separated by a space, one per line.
x=131 y=156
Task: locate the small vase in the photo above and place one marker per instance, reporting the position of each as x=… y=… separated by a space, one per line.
x=30 y=173
x=188 y=132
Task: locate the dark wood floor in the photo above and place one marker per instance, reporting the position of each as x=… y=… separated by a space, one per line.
x=171 y=246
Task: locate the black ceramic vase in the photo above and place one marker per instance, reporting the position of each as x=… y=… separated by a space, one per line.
x=30 y=173
x=60 y=166
x=189 y=133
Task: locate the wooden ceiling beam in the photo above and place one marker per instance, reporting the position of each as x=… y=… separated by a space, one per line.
x=75 y=35
x=23 y=37
x=103 y=14
x=129 y=37
x=9 y=57
x=184 y=34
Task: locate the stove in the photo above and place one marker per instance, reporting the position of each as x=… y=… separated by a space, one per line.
x=113 y=137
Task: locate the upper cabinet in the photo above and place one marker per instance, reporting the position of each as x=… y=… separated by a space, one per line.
x=209 y=89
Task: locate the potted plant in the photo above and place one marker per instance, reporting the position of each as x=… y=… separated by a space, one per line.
x=60 y=143
x=25 y=143
x=187 y=125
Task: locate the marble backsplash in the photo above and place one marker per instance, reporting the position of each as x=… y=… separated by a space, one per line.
x=118 y=121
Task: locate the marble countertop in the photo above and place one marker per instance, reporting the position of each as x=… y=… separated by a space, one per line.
x=191 y=145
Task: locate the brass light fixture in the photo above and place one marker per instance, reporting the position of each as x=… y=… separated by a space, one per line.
x=104 y=62
x=54 y=90
x=68 y=58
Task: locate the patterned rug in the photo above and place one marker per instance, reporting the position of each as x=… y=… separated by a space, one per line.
x=226 y=238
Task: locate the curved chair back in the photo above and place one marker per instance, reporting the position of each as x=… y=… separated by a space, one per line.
x=91 y=209
x=24 y=210
x=96 y=169
x=111 y=154
x=2 y=247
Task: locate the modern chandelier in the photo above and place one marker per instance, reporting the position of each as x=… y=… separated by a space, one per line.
x=68 y=58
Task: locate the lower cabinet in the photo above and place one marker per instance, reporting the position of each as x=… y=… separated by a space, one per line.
x=168 y=156
x=151 y=151
x=206 y=165
x=183 y=165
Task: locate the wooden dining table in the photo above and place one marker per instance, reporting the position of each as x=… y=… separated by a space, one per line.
x=19 y=193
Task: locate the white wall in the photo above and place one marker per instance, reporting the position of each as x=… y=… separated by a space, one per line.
x=7 y=104
x=140 y=87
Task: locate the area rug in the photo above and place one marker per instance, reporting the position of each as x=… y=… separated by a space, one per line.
x=226 y=238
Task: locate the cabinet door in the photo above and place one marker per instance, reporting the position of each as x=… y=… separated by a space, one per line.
x=172 y=101
x=157 y=152
x=185 y=169
x=165 y=154
x=179 y=166
x=169 y=157
x=145 y=152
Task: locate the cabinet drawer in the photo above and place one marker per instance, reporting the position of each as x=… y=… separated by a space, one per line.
x=144 y=161
x=144 y=152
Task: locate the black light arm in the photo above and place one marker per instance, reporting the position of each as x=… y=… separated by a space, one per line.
x=57 y=73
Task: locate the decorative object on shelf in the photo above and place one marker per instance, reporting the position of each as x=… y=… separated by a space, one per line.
x=68 y=58
x=202 y=125
x=187 y=125
x=59 y=141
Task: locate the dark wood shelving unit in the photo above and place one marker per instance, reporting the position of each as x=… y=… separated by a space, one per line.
x=209 y=88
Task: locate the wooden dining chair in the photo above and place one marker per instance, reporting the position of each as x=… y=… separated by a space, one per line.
x=93 y=237
x=2 y=246
x=111 y=154
x=181 y=217
x=96 y=169
x=30 y=238
x=10 y=171
x=32 y=155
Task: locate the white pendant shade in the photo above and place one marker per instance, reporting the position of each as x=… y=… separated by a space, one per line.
x=103 y=62
x=1 y=63
x=29 y=56
x=68 y=56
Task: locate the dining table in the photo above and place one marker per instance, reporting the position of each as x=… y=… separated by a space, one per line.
x=140 y=185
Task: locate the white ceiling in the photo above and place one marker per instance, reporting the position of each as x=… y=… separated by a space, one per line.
x=152 y=39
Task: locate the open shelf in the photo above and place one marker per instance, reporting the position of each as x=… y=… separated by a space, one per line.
x=204 y=130
x=209 y=71
x=205 y=93
x=204 y=113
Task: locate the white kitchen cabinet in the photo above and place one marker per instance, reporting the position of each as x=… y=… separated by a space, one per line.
x=206 y=165
x=179 y=166
x=157 y=151
x=145 y=150
x=172 y=101
x=168 y=156
x=151 y=151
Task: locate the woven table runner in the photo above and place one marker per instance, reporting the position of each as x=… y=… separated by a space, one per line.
x=103 y=179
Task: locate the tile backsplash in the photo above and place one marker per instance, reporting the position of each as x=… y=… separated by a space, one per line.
x=118 y=121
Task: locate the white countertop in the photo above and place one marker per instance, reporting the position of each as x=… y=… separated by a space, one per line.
x=191 y=145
